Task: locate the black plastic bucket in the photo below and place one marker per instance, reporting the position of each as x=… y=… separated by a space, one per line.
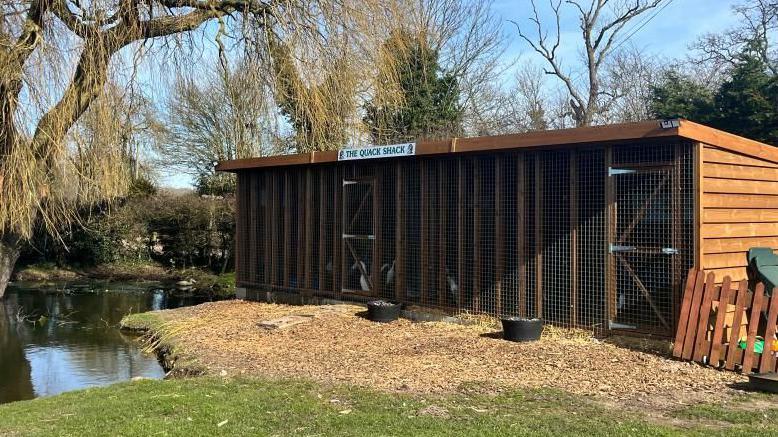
x=518 y=329
x=383 y=311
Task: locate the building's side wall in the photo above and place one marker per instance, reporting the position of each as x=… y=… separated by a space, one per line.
x=518 y=233
x=739 y=210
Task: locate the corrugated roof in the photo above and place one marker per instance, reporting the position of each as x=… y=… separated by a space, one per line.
x=561 y=137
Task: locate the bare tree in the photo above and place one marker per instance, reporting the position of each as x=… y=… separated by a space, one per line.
x=224 y=112
x=471 y=41
x=629 y=76
x=758 y=29
x=44 y=90
x=601 y=23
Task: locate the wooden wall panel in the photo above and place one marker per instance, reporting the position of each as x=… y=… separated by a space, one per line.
x=739 y=210
x=721 y=156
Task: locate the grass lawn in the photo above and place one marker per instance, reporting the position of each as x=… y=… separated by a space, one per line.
x=213 y=406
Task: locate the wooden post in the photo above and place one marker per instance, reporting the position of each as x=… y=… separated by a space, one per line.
x=499 y=261
x=337 y=234
x=275 y=208
x=424 y=218
x=302 y=214
x=460 y=233
x=610 y=200
x=399 y=234
x=520 y=237
x=573 y=238
x=378 y=284
x=442 y=217
x=322 y=227
x=287 y=204
x=477 y=278
x=267 y=227
x=308 y=259
x=676 y=206
x=538 y=236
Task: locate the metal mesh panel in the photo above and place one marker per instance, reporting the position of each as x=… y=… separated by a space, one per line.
x=509 y=233
x=591 y=237
x=555 y=230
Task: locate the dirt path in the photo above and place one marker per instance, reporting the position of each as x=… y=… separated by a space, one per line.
x=337 y=345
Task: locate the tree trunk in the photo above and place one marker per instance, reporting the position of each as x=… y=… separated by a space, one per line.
x=9 y=253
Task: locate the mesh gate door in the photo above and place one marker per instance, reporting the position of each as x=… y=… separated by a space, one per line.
x=643 y=258
x=358 y=236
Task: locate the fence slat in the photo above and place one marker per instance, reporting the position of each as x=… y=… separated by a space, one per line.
x=688 y=341
x=732 y=351
x=718 y=328
x=680 y=334
x=702 y=323
x=753 y=324
x=768 y=361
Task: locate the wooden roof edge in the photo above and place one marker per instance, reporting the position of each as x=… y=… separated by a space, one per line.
x=572 y=136
x=726 y=140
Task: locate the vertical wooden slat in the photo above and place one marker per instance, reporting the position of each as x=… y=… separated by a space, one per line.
x=698 y=208
x=337 y=222
x=702 y=323
x=443 y=286
x=308 y=259
x=399 y=234
x=322 y=228
x=538 y=237
x=767 y=363
x=499 y=260
x=753 y=325
x=476 y=235
x=302 y=213
x=287 y=205
x=688 y=341
x=573 y=238
x=718 y=327
x=375 y=272
x=610 y=201
x=240 y=226
x=460 y=232
x=740 y=303
x=676 y=229
x=251 y=271
x=424 y=218
x=268 y=227
x=694 y=276
x=276 y=207
x=520 y=237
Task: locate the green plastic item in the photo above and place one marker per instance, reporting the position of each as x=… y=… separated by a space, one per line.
x=758 y=345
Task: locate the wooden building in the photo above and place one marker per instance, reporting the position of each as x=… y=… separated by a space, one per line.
x=593 y=227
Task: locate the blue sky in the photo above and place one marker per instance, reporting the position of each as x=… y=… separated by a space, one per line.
x=667 y=35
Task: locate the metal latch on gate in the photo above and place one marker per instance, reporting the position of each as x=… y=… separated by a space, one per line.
x=669 y=251
x=616 y=171
x=617 y=248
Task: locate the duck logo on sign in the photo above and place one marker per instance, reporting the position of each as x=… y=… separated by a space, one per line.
x=390 y=151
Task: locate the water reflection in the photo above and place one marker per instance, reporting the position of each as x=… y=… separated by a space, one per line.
x=53 y=341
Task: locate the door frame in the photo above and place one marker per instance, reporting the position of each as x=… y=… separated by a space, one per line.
x=347 y=250
x=615 y=243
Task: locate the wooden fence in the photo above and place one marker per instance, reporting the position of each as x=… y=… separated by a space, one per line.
x=710 y=331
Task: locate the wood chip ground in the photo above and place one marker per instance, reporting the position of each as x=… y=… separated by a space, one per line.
x=339 y=345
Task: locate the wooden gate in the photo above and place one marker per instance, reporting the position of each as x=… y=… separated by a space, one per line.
x=359 y=236
x=641 y=250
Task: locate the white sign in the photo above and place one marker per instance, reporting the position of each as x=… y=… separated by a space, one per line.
x=390 y=151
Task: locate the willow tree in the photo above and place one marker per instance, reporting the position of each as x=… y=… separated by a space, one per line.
x=56 y=57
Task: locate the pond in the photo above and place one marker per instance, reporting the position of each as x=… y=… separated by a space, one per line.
x=57 y=337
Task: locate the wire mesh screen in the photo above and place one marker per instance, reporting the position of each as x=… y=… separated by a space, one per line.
x=649 y=186
x=517 y=233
